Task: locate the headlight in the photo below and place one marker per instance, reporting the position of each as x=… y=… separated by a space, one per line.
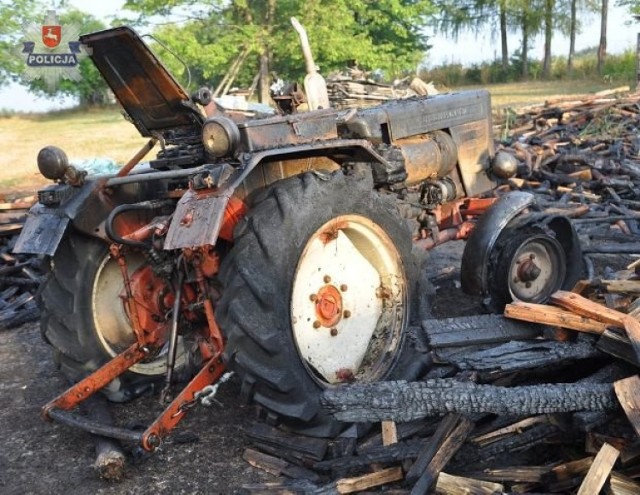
x=220 y=137
x=52 y=162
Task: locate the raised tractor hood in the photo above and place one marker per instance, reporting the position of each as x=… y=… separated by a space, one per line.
x=154 y=100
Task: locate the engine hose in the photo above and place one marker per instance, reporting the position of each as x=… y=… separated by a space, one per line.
x=143 y=206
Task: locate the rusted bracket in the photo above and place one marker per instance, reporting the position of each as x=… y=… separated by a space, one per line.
x=97 y=380
x=187 y=398
x=160 y=428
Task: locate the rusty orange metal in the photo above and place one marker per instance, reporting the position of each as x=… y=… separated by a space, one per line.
x=210 y=261
x=172 y=415
x=97 y=380
x=234 y=212
x=328 y=303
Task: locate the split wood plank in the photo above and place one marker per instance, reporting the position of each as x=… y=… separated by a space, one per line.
x=586 y=307
x=454 y=485
x=389 y=433
x=591 y=309
x=622 y=485
x=521 y=474
x=276 y=466
x=445 y=427
x=599 y=470
x=625 y=286
x=550 y=315
x=628 y=393
x=571 y=469
x=500 y=433
x=358 y=483
x=444 y=454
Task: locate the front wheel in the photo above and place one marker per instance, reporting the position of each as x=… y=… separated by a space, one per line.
x=317 y=293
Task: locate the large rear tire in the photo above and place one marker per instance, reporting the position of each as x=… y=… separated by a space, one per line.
x=317 y=291
x=83 y=317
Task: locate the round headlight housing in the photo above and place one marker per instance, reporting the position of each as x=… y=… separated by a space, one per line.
x=220 y=137
x=52 y=162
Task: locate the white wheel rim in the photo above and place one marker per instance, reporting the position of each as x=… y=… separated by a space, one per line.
x=111 y=320
x=348 y=303
x=545 y=255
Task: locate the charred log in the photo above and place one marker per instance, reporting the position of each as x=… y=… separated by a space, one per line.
x=404 y=401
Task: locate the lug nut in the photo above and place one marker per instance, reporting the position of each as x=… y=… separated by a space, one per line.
x=532 y=256
x=334 y=332
x=327 y=279
x=528 y=285
x=317 y=324
x=313 y=297
x=346 y=313
x=344 y=287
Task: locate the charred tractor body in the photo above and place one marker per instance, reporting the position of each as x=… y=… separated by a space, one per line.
x=281 y=248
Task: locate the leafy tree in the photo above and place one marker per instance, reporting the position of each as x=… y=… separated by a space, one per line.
x=13 y=15
x=384 y=35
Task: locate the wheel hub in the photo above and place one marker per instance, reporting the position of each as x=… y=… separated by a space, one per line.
x=328 y=303
x=537 y=269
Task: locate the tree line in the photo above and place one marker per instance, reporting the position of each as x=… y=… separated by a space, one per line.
x=251 y=41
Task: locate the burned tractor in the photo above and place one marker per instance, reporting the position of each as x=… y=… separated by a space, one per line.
x=283 y=248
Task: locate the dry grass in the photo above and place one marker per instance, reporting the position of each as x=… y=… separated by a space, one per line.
x=86 y=134
x=104 y=132
x=521 y=94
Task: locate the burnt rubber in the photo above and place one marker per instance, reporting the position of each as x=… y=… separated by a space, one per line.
x=258 y=275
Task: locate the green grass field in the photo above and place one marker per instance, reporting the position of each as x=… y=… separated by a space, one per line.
x=105 y=133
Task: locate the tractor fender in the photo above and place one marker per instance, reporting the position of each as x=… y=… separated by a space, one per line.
x=200 y=215
x=46 y=225
x=475 y=259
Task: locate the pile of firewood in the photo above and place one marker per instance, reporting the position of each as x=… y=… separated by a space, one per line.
x=544 y=400
x=19 y=274
x=353 y=88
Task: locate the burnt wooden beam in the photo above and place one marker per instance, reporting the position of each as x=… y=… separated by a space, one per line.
x=396 y=452
x=405 y=401
x=313 y=448
x=476 y=330
x=516 y=356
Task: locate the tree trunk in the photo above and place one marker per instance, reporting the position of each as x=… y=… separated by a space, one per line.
x=264 y=95
x=503 y=35
x=525 y=46
x=404 y=401
x=572 y=37
x=602 y=48
x=548 y=34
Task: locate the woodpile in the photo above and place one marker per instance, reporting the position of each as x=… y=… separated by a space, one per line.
x=353 y=88
x=545 y=399
x=19 y=274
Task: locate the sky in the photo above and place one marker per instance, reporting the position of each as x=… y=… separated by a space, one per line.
x=467 y=49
